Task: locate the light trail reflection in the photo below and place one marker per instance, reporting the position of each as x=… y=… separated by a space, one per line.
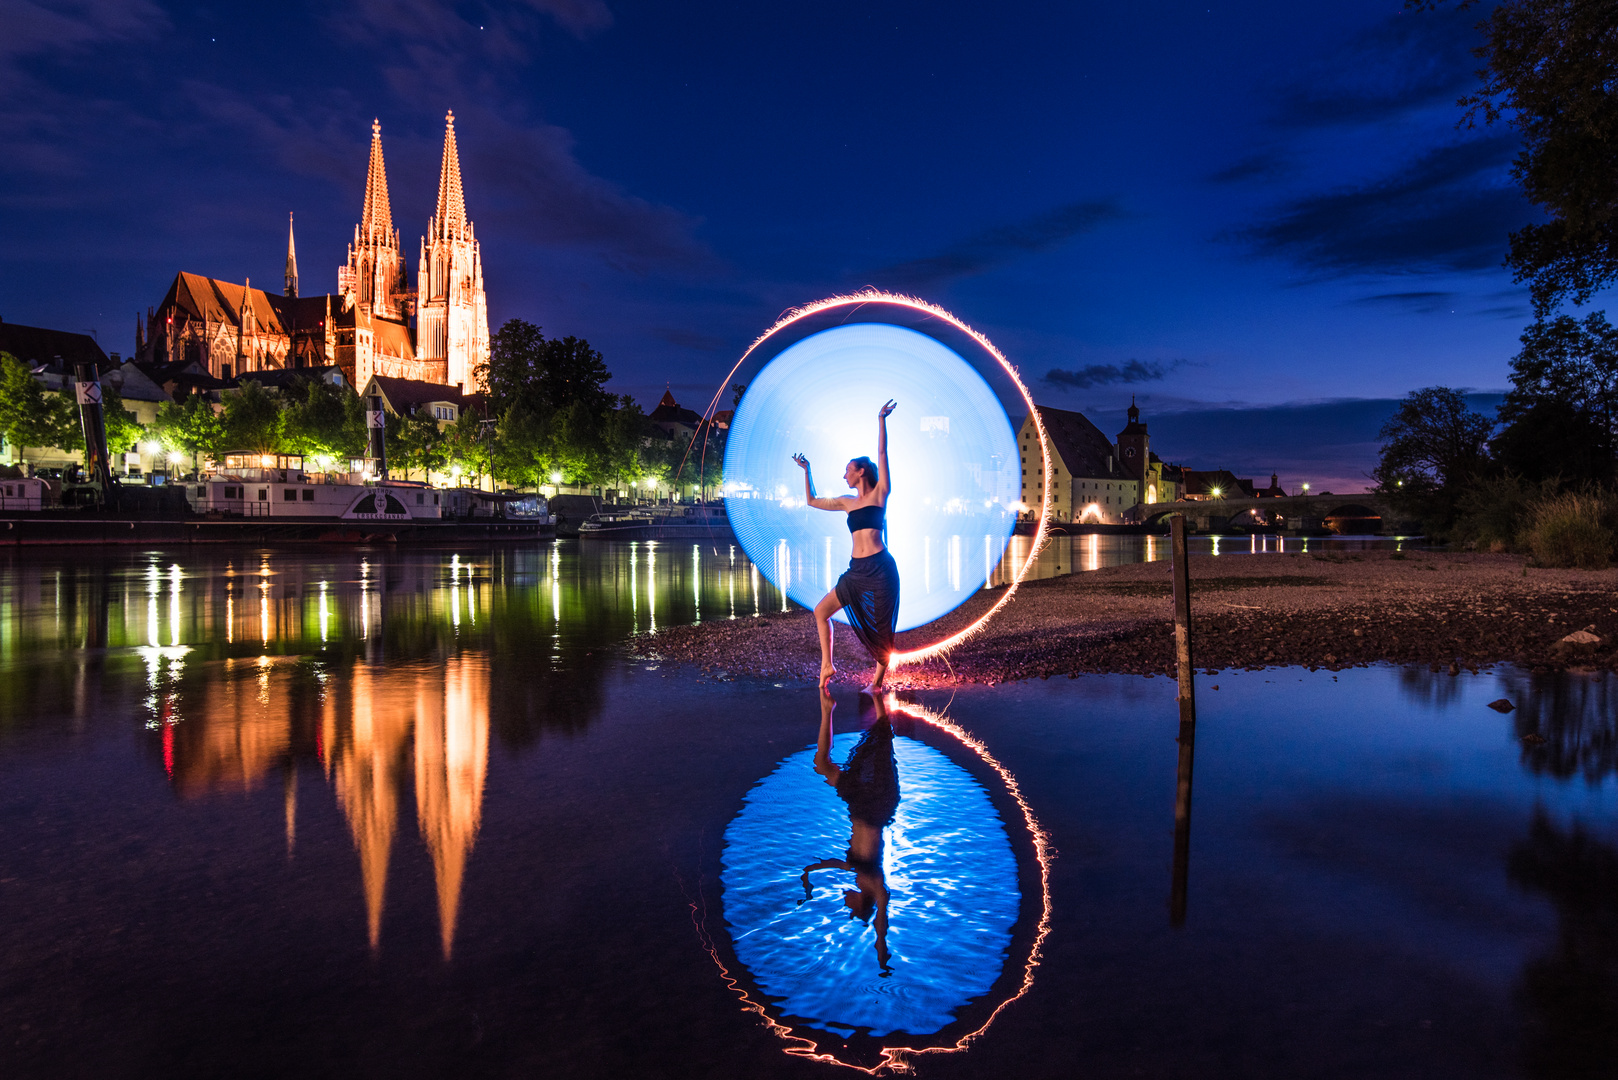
x=909 y=943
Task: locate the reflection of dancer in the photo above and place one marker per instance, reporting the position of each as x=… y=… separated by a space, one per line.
x=869 y=784
x=869 y=588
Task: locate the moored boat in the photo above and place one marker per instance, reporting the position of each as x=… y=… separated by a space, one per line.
x=702 y=521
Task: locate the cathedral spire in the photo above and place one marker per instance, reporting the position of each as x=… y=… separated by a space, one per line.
x=376 y=219
x=451 y=204
x=292 y=262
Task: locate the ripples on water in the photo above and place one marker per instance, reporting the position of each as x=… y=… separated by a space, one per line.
x=412 y=813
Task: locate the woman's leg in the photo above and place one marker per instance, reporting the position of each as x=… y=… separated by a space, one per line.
x=829 y=605
x=877 y=676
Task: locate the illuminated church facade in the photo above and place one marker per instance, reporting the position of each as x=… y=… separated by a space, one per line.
x=376 y=323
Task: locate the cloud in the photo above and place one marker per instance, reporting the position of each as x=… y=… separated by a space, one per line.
x=1407 y=62
x=582 y=17
x=1450 y=209
x=1424 y=301
x=1001 y=244
x=32 y=29
x=1254 y=167
x=1094 y=375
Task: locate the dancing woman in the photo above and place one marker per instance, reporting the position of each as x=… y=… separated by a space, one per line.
x=869 y=785
x=869 y=588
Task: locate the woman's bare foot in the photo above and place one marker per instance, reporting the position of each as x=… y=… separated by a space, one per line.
x=826 y=672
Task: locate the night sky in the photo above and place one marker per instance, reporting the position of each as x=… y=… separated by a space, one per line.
x=1261 y=219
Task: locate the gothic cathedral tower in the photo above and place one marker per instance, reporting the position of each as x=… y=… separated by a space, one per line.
x=452 y=323
x=374 y=279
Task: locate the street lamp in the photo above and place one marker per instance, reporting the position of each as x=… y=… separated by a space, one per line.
x=1217 y=492
x=1306 y=489
x=556 y=477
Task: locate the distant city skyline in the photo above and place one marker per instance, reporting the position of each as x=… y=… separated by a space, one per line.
x=1263 y=221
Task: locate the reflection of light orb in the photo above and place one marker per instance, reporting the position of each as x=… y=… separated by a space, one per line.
x=956 y=475
x=950 y=871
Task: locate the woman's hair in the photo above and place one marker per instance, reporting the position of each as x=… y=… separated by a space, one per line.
x=867 y=467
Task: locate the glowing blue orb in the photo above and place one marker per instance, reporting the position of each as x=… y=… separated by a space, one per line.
x=956 y=475
x=953 y=897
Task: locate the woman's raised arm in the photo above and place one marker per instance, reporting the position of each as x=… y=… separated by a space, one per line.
x=884 y=482
x=809 y=488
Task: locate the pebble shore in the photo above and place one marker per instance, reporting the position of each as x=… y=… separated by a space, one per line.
x=1324 y=610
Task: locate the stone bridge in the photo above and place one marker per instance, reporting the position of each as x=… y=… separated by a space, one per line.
x=1363 y=512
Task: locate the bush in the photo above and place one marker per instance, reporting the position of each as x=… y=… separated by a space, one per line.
x=1573 y=530
x=1493 y=512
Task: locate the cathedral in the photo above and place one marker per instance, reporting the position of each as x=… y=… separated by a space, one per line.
x=374 y=324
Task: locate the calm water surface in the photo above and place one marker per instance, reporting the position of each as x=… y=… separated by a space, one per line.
x=406 y=813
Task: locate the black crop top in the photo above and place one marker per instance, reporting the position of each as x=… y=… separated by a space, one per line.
x=865 y=517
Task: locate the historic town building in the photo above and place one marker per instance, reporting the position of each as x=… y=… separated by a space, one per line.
x=375 y=324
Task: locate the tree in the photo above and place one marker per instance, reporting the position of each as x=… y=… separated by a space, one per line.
x=124 y=428
x=1564 y=394
x=324 y=421
x=27 y=417
x=515 y=370
x=193 y=428
x=466 y=445
x=253 y=419
x=634 y=448
x=526 y=369
x=1551 y=65
x=423 y=443
x=1433 y=441
x=576 y=374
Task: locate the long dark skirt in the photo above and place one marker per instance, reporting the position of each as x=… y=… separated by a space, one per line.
x=869 y=593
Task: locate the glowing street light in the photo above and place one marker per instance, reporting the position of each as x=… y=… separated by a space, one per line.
x=556 y=477
x=1306 y=489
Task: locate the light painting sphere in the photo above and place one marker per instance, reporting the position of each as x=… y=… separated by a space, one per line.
x=956 y=476
x=951 y=875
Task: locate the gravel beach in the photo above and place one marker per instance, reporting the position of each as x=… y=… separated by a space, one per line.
x=1446 y=610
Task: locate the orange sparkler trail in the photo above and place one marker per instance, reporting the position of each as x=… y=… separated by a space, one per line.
x=896 y=1059
x=877 y=296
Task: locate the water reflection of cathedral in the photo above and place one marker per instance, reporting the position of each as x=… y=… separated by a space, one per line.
x=372 y=732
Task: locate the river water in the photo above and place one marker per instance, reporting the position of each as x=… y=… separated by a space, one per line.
x=411 y=813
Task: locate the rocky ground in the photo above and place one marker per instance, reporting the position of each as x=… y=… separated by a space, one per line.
x=1248 y=611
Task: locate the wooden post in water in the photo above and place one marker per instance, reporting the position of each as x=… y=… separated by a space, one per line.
x=1182 y=824
x=1181 y=567
x=1188 y=719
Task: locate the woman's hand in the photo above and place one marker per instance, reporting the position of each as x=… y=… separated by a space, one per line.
x=886 y=410
x=802 y=461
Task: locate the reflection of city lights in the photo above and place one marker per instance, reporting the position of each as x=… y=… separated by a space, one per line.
x=897 y=1058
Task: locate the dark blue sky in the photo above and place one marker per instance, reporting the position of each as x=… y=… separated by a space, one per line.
x=1261 y=217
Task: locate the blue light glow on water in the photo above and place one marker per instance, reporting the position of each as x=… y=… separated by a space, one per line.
x=956 y=474
x=949 y=870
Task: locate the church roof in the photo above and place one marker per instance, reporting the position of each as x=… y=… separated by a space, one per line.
x=405 y=396
x=391 y=338
x=35 y=345
x=1084 y=450
x=668 y=411
x=210 y=299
